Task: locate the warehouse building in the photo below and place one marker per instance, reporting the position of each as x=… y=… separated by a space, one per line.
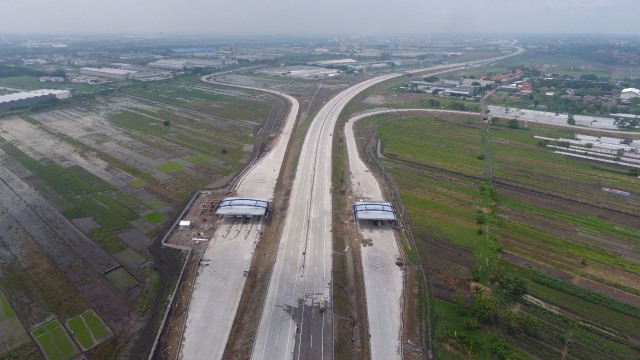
x=111 y=73
x=30 y=98
x=628 y=94
x=181 y=64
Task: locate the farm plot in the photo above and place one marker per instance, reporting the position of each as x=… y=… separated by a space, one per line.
x=30 y=279
x=80 y=260
x=88 y=329
x=12 y=334
x=244 y=105
x=54 y=341
x=556 y=204
x=139 y=140
x=541 y=206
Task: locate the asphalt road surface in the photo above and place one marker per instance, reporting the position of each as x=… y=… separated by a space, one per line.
x=383 y=279
x=221 y=274
x=291 y=325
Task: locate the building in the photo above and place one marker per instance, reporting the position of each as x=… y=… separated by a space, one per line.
x=181 y=64
x=150 y=76
x=111 y=73
x=301 y=72
x=168 y=64
x=199 y=52
x=469 y=82
x=56 y=79
x=508 y=88
x=340 y=62
x=30 y=98
x=463 y=91
x=629 y=93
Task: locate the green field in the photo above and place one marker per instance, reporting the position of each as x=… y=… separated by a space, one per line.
x=11 y=331
x=55 y=342
x=121 y=279
x=88 y=329
x=183 y=92
x=155 y=217
x=540 y=206
x=83 y=180
x=197 y=159
x=170 y=167
x=136 y=182
x=129 y=258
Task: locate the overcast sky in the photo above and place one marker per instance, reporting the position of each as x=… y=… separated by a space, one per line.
x=228 y=17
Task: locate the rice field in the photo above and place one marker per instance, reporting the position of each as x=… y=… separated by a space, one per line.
x=88 y=186
x=541 y=210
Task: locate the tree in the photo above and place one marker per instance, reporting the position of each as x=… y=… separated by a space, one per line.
x=513 y=123
x=626 y=123
x=513 y=287
x=483 y=306
x=589 y=77
x=166 y=123
x=431 y=79
x=528 y=324
x=634 y=172
x=475 y=83
x=571 y=120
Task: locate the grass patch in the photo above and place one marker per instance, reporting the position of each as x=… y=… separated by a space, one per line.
x=121 y=279
x=11 y=330
x=526 y=209
x=55 y=342
x=155 y=205
x=136 y=182
x=129 y=258
x=170 y=166
x=197 y=159
x=155 y=217
x=88 y=329
x=117 y=207
x=107 y=240
x=75 y=213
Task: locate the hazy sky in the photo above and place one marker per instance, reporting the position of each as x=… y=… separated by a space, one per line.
x=227 y=17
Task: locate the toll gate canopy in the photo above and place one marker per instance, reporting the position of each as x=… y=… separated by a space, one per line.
x=374 y=210
x=237 y=206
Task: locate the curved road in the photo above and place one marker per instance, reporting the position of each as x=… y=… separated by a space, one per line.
x=292 y=326
x=220 y=281
x=301 y=277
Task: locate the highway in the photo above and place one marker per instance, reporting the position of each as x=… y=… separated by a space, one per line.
x=221 y=274
x=383 y=279
x=291 y=325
